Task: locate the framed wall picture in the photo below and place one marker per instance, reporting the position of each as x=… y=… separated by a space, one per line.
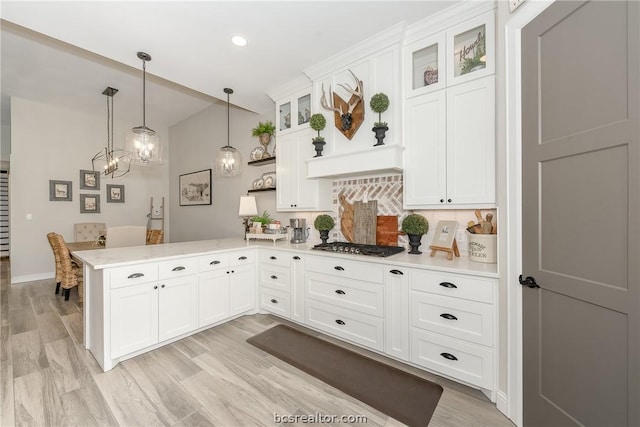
x=89 y=180
x=89 y=203
x=59 y=191
x=445 y=233
x=115 y=193
x=195 y=188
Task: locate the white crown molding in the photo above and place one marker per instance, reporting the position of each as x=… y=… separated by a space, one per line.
x=440 y=22
x=289 y=88
x=389 y=37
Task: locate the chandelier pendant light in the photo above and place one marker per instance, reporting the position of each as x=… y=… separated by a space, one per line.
x=143 y=144
x=228 y=160
x=114 y=158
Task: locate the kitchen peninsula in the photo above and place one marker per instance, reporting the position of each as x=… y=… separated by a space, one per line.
x=140 y=298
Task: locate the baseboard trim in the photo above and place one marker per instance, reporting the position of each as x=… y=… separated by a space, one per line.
x=502 y=403
x=32 y=277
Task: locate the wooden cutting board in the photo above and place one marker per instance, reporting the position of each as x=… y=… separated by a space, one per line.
x=387 y=230
x=364 y=222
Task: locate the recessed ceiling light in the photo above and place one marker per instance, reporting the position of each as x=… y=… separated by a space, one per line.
x=239 y=40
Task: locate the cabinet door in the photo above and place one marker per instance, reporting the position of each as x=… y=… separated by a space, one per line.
x=471 y=142
x=287 y=170
x=396 y=312
x=213 y=296
x=425 y=153
x=134 y=318
x=425 y=66
x=297 y=288
x=242 y=289
x=470 y=50
x=178 y=306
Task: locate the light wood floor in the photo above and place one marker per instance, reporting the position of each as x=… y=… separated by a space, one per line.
x=47 y=378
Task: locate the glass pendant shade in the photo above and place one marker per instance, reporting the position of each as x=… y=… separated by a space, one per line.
x=228 y=159
x=143 y=146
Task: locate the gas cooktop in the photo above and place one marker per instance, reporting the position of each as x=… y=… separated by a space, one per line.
x=358 y=249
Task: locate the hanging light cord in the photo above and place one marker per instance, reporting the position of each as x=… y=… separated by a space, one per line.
x=144 y=93
x=228 y=122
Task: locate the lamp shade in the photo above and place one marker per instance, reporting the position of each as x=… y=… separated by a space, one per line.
x=247 y=206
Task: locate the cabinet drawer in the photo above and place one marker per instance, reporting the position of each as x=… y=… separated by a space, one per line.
x=356 y=327
x=244 y=257
x=177 y=268
x=271 y=257
x=132 y=274
x=367 y=271
x=467 y=320
x=453 y=285
x=458 y=359
x=213 y=261
x=275 y=277
x=365 y=297
x=276 y=302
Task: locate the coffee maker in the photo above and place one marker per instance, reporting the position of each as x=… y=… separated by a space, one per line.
x=299 y=231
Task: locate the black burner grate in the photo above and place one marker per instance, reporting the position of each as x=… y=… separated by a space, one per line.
x=359 y=249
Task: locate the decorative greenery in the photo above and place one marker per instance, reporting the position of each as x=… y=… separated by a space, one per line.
x=379 y=104
x=264 y=219
x=415 y=224
x=323 y=222
x=470 y=63
x=267 y=127
x=317 y=123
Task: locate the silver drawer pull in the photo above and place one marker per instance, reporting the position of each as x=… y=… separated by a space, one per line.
x=448 y=356
x=178 y=268
x=214 y=262
x=272 y=257
x=448 y=316
x=135 y=275
x=274 y=301
x=274 y=277
x=337 y=267
x=340 y=322
x=340 y=292
x=398 y=272
x=448 y=285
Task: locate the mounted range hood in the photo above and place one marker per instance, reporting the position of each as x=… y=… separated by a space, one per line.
x=382 y=159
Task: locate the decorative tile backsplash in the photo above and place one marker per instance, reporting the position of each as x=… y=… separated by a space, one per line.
x=387 y=191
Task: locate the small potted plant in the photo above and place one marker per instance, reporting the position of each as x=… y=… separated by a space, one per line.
x=379 y=104
x=263 y=219
x=415 y=226
x=264 y=131
x=324 y=223
x=317 y=123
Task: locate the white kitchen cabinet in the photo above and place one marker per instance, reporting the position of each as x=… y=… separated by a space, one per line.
x=396 y=309
x=450 y=147
x=293 y=112
x=297 y=287
x=471 y=49
x=242 y=289
x=134 y=318
x=213 y=296
x=178 y=306
x=294 y=191
x=424 y=66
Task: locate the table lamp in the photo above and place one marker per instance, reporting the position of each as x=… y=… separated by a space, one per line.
x=247 y=209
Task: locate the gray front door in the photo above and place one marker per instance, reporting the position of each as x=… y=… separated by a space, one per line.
x=581 y=215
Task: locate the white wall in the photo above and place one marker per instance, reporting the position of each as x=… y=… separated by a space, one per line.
x=49 y=142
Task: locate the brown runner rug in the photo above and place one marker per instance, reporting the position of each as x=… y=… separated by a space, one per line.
x=403 y=396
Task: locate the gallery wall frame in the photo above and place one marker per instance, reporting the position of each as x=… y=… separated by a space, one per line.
x=60 y=191
x=89 y=203
x=115 y=193
x=195 y=188
x=89 y=180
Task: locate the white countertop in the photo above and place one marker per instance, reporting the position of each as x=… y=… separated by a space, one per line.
x=116 y=257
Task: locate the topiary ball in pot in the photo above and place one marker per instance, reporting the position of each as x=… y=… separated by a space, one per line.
x=324 y=223
x=415 y=226
x=379 y=104
x=317 y=123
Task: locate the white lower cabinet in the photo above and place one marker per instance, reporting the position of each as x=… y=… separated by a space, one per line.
x=242 y=289
x=213 y=297
x=396 y=308
x=178 y=306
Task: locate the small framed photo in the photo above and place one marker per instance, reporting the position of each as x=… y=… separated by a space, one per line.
x=445 y=233
x=89 y=180
x=195 y=188
x=115 y=193
x=59 y=191
x=89 y=203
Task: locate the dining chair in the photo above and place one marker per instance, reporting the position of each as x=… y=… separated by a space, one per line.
x=126 y=235
x=88 y=231
x=51 y=237
x=154 y=236
x=70 y=274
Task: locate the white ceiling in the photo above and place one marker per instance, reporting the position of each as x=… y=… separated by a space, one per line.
x=72 y=50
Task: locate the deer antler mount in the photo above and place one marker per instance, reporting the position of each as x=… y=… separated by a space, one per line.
x=348 y=115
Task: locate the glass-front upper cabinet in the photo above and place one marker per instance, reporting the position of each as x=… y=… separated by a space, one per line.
x=425 y=66
x=471 y=50
x=294 y=111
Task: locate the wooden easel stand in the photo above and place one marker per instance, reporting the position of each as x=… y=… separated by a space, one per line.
x=453 y=250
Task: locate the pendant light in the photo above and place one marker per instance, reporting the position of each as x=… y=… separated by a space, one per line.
x=114 y=158
x=142 y=143
x=228 y=160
